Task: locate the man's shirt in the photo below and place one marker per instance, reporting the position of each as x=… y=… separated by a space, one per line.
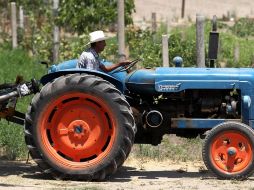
x=89 y=59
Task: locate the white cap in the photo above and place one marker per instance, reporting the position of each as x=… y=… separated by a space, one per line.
x=97 y=36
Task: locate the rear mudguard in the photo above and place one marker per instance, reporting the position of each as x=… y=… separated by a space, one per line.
x=70 y=67
x=51 y=76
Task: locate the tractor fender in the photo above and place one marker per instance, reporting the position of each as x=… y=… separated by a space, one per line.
x=51 y=76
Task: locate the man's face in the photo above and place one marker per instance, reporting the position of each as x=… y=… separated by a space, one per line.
x=100 y=45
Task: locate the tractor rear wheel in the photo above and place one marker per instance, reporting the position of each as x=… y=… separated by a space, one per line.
x=228 y=151
x=79 y=127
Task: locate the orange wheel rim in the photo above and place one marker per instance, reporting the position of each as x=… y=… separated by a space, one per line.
x=77 y=130
x=231 y=152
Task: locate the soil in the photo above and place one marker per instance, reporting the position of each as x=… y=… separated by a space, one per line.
x=135 y=174
x=170 y=10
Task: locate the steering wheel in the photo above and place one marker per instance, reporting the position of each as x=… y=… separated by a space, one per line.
x=127 y=67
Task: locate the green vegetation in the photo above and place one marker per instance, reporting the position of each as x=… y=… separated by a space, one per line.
x=13 y=63
x=172 y=148
x=82 y=16
x=244 y=27
x=73 y=17
x=234 y=51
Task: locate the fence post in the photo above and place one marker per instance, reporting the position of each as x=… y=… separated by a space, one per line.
x=14 y=25
x=120 y=30
x=165 y=51
x=21 y=17
x=154 y=24
x=183 y=8
x=56 y=36
x=200 y=40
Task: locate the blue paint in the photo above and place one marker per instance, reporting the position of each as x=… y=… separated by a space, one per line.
x=171 y=80
x=198 y=123
x=166 y=79
x=178 y=61
x=70 y=66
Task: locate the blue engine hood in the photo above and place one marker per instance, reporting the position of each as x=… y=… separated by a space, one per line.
x=178 y=79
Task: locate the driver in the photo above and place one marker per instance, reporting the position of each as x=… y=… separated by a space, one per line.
x=89 y=59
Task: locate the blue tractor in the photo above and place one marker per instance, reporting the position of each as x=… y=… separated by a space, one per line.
x=83 y=123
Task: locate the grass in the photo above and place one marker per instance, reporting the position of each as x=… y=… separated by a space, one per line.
x=13 y=63
x=172 y=147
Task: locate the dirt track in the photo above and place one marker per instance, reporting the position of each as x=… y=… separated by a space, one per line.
x=133 y=175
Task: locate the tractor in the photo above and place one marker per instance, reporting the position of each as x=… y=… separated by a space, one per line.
x=81 y=124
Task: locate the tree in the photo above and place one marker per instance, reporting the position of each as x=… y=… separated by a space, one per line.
x=81 y=16
x=37 y=6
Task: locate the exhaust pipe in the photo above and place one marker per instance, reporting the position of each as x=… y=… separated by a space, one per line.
x=154 y=118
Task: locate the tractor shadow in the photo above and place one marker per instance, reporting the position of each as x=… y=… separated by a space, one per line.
x=21 y=168
x=124 y=174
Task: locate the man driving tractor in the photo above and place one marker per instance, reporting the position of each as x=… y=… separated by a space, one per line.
x=89 y=59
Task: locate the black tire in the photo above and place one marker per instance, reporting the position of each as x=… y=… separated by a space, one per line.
x=61 y=165
x=228 y=151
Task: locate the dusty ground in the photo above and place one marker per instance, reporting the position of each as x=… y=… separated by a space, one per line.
x=171 y=9
x=133 y=175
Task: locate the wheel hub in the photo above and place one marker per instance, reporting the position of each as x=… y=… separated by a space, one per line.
x=78 y=129
x=231 y=151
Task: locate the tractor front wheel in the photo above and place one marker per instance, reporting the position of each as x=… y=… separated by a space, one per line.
x=228 y=151
x=79 y=127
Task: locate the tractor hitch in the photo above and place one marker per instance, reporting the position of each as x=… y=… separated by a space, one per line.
x=9 y=94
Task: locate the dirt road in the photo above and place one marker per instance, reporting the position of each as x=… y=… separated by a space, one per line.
x=149 y=175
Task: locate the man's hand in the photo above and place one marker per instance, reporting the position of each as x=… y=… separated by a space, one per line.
x=124 y=63
x=114 y=66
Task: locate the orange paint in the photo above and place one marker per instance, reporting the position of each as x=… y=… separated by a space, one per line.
x=231 y=152
x=80 y=132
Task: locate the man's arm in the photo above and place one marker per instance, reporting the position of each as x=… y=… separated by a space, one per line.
x=114 y=66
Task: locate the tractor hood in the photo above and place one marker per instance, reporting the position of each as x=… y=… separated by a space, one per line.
x=178 y=79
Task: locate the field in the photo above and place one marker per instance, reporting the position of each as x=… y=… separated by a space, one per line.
x=171 y=9
x=174 y=164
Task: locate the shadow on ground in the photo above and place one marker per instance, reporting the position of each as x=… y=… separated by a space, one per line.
x=21 y=168
x=124 y=174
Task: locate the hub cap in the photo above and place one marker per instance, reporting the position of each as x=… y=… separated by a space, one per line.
x=77 y=130
x=231 y=152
